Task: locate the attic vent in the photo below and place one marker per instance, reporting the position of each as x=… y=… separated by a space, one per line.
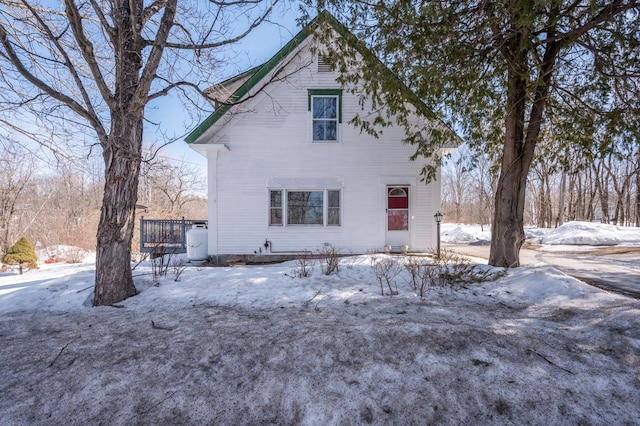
x=322 y=65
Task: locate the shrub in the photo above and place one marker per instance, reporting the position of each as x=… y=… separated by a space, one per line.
x=22 y=254
x=178 y=266
x=421 y=273
x=304 y=266
x=75 y=255
x=160 y=261
x=386 y=269
x=329 y=259
x=450 y=270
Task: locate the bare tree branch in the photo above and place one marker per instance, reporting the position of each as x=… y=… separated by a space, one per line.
x=86 y=48
x=103 y=21
x=203 y=45
x=155 y=56
x=89 y=115
x=152 y=9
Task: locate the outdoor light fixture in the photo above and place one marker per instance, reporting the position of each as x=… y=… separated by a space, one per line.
x=438 y=217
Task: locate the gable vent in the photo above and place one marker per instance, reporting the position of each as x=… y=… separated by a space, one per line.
x=323 y=66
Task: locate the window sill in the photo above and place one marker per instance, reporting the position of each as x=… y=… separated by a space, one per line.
x=306 y=226
x=325 y=142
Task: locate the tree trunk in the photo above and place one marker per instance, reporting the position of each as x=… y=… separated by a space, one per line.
x=507 y=235
x=627 y=207
x=121 y=152
x=541 y=215
x=573 y=210
x=507 y=232
x=114 y=282
x=563 y=187
x=638 y=198
x=548 y=207
x=603 y=193
x=619 y=219
x=592 y=188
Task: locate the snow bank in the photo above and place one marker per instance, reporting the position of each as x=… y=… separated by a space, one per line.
x=593 y=234
x=454 y=233
x=569 y=234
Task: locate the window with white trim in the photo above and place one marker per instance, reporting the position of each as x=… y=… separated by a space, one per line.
x=275 y=208
x=325 y=106
x=325 y=118
x=304 y=207
x=333 y=207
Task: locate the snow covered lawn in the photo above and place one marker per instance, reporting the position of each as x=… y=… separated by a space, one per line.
x=252 y=345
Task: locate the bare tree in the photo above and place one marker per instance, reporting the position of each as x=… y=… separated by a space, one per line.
x=485 y=186
x=168 y=186
x=468 y=185
x=456 y=180
x=71 y=214
x=105 y=61
x=542 y=192
x=619 y=175
x=17 y=169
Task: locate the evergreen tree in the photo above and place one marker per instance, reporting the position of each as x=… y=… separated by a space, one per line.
x=22 y=254
x=495 y=71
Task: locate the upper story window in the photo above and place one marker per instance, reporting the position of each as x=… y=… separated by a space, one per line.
x=325 y=106
x=325 y=118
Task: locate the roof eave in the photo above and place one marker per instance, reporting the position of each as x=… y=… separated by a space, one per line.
x=263 y=70
x=258 y=75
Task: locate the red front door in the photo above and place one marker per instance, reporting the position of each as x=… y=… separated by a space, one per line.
x=398 y=215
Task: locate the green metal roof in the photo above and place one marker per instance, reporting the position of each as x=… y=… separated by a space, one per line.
x=261 y=71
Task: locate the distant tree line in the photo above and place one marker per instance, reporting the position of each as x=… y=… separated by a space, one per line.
x=61 y=205
x=577 y=185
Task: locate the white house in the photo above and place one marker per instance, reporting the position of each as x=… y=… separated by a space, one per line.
x=287 y=173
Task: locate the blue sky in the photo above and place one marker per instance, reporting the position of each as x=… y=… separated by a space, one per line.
x=256 y=48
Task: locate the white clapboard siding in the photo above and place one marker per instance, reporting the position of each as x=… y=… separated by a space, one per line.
x=269 y=137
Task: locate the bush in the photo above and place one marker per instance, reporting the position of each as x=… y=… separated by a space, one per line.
x=74 y=255
x=22 y=254
x=304 y=266
x=386 y=269
x=329 y=259
x=450 y=270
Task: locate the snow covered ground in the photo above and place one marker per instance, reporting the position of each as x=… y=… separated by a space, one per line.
x=253 y=345
x=588 y=234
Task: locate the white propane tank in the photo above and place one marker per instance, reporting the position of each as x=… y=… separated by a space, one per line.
x=197 y=245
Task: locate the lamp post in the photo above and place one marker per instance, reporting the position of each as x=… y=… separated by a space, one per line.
x=438 y=217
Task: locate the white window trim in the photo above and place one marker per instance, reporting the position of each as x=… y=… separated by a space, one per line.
x=335 y=120
x=325 y=93
x=285 y=208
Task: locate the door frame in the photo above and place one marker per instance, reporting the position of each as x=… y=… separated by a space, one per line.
x=402 y=237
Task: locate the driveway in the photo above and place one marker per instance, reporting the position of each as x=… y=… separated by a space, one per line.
x=615 y=269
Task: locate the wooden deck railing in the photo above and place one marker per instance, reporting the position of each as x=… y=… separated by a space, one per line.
x=165 y=235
